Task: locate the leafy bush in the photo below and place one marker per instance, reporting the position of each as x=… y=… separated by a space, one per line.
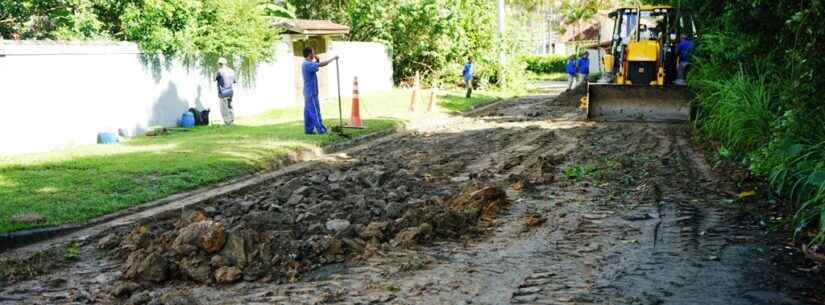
x=757 y=93
x=545 y=64
x=196 y=31
x=738 y=110
x=432 y=37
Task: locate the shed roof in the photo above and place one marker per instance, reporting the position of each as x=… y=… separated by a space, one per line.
x=314 y=27
x=582 y=30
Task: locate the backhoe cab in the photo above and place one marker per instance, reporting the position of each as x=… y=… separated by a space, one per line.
x=640 y=68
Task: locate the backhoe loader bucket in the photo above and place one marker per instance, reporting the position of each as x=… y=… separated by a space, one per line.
x=637 y=103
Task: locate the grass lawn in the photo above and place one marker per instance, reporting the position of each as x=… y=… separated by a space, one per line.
x=83 y=183
x=559 y=76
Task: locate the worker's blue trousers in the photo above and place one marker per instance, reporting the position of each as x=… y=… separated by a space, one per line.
x=312 y=116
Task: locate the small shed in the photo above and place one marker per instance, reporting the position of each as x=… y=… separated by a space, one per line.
x=317 y=34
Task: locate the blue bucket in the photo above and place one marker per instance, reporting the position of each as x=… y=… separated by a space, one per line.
x=106 y=138
x=187 y=120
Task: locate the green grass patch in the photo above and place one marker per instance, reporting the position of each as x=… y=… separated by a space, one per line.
x=553 y=76
x=579 y=173
x=459 y=103
x=79 y=184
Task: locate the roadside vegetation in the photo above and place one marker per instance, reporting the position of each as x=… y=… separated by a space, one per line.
x=759 y=94
x=545 y=68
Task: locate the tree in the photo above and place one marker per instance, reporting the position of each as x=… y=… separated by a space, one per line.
x=335 y=10
x=195 y=31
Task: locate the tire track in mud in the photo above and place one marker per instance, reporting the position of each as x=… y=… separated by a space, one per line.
x=654 y=248
x=636 y=224
x=481 y=273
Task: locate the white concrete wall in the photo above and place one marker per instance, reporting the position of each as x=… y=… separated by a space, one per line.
x=370 y=61
x=60 y=95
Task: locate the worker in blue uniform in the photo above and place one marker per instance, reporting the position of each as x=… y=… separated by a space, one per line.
x=583 y=65
x=685 y=50
x=312 y=107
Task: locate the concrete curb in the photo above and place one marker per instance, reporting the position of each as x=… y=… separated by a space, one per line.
x=21 y=239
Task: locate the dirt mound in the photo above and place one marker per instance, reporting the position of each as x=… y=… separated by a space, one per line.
x=278 y=234
x=571 y=98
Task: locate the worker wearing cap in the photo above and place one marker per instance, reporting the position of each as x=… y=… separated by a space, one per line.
x=226 y=81
x=312 y=107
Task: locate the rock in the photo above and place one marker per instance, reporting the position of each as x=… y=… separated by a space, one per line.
x=189 y=217
x=287 y=189
x=301 y=190
x=394 y=210
x=140 y=298
x=124 y=289
x=178 y=297
x=769 y=297
x=108 y=242
x=393 y=196
x=637 y=217
x=375 y=177
x=320 y=208
x=336 y=176
x=235 y=250
x=294 y=200
x=445 y=193
x=207 y=235
x=337 y=225
x=304 y=216
x=136 y=239
x=426 y=228
x=247 y=205
x=410 y=237
x=335 y=247
x=374 y=231
x=227 y=275
x=56 y=282
x=146 y=265
x=335 y=191
x=488 y=194
x=27 y=218
x=210 y=211
x=354 y=245
x=197 y=269
x=317 y=179
x=218 y=261
x=316 y=228
x=376 y=211
x=532 y=220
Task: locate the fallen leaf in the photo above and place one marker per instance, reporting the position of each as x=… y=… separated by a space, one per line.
x=747 y=194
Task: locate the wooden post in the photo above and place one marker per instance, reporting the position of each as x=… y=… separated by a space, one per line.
x=416 y=84
x=433 y=91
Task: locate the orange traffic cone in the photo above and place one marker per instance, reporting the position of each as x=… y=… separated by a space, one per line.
x=355 y=118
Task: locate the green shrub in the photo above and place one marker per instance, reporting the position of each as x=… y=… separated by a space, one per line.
x=545 y=64
x=738 y=110
x=758 y=92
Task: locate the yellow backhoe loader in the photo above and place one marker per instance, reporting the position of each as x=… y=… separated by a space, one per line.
x=640 y=68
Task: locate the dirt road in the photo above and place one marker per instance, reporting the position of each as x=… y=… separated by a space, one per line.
x=522 y=202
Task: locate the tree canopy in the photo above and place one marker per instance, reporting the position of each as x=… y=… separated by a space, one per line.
x=195 y=31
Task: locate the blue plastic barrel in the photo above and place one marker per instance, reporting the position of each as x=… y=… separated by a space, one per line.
x=106 y=138
x=187 y=120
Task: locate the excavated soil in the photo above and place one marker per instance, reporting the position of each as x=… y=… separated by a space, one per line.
x=521 y=202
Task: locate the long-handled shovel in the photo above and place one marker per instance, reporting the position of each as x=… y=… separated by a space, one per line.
x=340 y=128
